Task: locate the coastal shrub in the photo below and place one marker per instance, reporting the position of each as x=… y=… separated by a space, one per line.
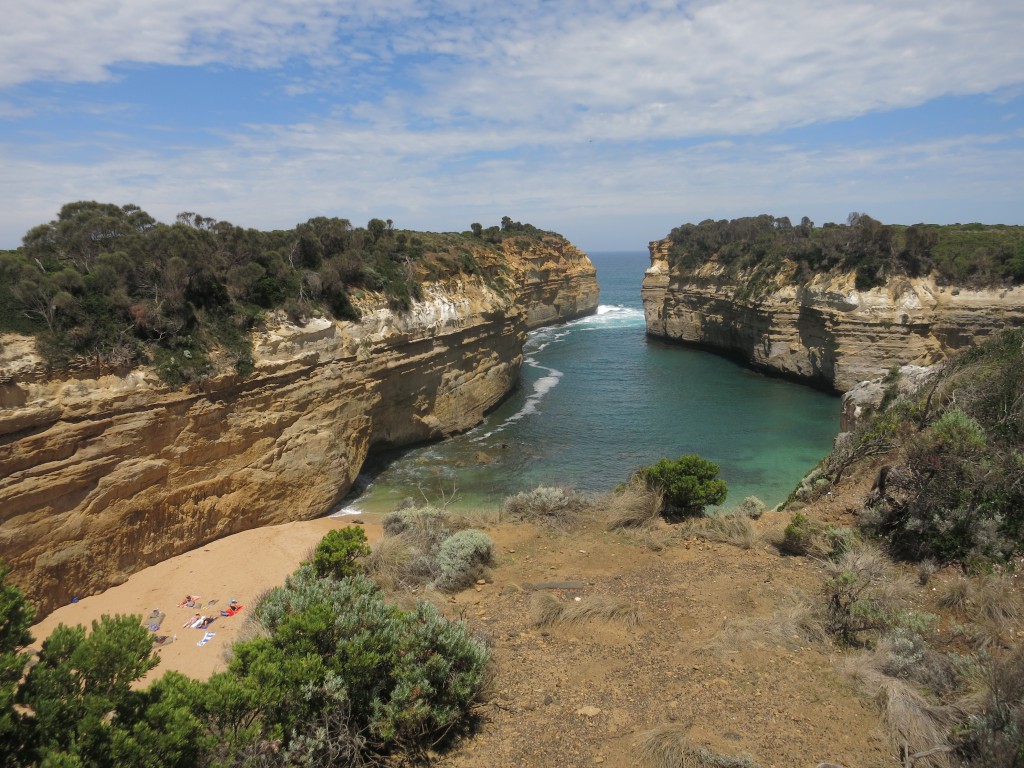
x=462 y=559
x=752 y=507
x=689 y=483
x=15 y=619
x=338 y=552
x=800 y=534
x=863 y=595
x=555 y=506
x=111 y=284
x=994 y=736
x=410 y=676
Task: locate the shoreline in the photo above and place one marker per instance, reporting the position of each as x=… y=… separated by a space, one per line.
x=241 y=566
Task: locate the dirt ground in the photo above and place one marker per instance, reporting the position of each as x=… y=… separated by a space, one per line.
x=582 y=695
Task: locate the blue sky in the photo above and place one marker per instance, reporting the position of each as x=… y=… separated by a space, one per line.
x=610 y=121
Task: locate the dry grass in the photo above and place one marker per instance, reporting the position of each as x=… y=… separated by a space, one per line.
x=797 y=624
x=986 y=598
x=402 y=561
x=915 y=725
x=557 y=507
x=733 y=527
x=635 y=506
x=669 y=746
x=548 y=611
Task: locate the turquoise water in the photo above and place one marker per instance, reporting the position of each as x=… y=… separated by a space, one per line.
x=598 y=399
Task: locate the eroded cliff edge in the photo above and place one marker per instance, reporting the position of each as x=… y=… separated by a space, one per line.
x=102 y=475
x=822 y=330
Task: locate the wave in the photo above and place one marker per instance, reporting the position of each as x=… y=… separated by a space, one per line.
x=541 y=387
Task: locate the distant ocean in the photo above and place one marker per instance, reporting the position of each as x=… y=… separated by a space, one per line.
x=597 y=399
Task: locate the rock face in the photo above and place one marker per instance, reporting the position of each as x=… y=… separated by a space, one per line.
x=102 y=475
x=825 y=332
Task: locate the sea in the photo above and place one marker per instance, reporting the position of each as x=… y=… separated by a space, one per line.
x=598 y=399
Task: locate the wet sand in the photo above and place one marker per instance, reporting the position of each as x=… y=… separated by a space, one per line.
x=240 y=567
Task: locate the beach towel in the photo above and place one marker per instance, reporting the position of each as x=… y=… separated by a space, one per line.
x=155 y=619
x=163 y=640
x=206 y=638
x=231 y=611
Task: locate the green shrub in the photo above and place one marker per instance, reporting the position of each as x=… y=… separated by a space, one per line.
x=462 y=558
x=410 y=676
x=689 y=483
x=865 y=596
x=800 y=534
x=337 y=555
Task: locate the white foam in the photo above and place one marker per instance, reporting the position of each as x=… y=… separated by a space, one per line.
x=345 y=512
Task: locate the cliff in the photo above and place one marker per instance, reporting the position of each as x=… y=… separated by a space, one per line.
x=106 y=473
x=822 y=330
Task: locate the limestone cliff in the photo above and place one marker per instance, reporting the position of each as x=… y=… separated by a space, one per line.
x=823 y=331
x=103 y=474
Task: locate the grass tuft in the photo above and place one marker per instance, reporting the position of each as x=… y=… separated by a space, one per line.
x=548 y=611
x=733 y=527
x=634 y=506
x=669 y=746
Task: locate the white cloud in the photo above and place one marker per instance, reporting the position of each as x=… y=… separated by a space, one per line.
x=575 y=111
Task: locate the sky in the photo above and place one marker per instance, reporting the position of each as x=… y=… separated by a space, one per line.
x=610 y=121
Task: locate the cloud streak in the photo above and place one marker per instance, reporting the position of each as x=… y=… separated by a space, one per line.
x=569 y=113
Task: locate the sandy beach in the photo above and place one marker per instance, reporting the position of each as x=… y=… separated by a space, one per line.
x=240 y=567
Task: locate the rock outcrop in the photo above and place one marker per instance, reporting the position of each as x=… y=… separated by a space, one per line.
x=824 y=332
x=104 y=474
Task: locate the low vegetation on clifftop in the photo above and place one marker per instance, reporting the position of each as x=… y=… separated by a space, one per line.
x=111 y=283
x=958 y=254
x=949 y=458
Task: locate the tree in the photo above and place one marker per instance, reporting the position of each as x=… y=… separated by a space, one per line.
x=478 y=229
x=79 y=693
x=15 y=619
x=336 y=554
x=689 y=483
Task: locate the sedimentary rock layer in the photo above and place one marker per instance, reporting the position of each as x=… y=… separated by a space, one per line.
x=824 y=332
x=101 y=475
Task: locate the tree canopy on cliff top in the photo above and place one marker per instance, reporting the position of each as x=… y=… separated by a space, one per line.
x=958 y=254
x=111 y=283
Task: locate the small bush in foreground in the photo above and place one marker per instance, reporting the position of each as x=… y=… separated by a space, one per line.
x=462 y=558
x=752 y=507
x=689 y=483
x=800 y=534
x=338 y=551
x=409 y=676
x=863 y=594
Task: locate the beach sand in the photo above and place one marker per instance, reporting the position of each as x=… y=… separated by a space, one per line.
x=240 y=567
